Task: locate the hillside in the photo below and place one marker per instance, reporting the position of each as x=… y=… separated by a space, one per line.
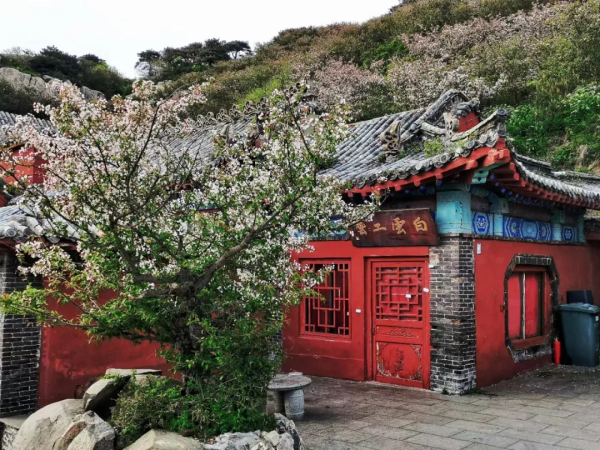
x=539 y=60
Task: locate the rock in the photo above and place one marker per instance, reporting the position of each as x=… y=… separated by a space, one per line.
x=285 y=425
x=272 y=437
x=262 y=446
x=41 y=86
x=44 y=427
x=164 y=440
x=126 y=373
x=87 y=432
x=91 y=94
x=100 y=395
x=24 y=81
x=298 y=443
x=234 y=441
x=286 y=442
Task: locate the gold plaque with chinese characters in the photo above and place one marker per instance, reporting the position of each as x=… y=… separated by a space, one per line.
x=406 y=227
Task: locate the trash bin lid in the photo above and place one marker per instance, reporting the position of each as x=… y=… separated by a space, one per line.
x=580 y=307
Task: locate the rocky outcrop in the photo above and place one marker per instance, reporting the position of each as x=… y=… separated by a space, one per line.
x=101 y=395
x=24 y=81
x=164 y=440
x=44 y=427
x=41 y=87
x=87 y=432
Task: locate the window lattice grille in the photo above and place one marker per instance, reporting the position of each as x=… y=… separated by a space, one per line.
x=328 y=312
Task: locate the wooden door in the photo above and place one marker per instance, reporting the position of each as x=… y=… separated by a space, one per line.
x=400 y=321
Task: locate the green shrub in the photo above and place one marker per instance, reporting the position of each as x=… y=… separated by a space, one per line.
x=564 y=131
x=234 y=362
x=386 y=51
x=155 y=404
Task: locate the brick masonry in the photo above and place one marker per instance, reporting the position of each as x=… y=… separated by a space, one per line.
x=19 y=349
x=452 y=315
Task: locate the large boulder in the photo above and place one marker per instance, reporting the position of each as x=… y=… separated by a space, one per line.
x=87 y=432
x=100 y=396
x=43 y=428
x=127 y=373
x=24 y=81
x=235 y=441
x=164 y=440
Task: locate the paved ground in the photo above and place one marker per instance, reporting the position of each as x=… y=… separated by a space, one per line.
x=552 y=408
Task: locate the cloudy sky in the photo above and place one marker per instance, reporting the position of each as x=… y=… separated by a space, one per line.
x=116 y=30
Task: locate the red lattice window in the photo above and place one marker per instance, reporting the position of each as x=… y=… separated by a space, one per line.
x=397 y=293
x=328 y=312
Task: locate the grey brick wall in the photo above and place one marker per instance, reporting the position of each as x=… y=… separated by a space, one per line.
x=452 y=315
x=19 y=349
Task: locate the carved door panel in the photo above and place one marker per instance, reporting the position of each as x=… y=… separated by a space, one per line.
x=400 y=321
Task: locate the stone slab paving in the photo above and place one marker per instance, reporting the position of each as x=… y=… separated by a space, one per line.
x=551 y=408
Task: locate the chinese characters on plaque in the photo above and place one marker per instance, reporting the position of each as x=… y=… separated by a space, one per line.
x=396 y=228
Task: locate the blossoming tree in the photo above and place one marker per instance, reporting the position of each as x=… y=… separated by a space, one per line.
x=195 y=246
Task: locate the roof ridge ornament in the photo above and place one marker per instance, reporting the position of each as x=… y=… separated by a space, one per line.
x=441 y=120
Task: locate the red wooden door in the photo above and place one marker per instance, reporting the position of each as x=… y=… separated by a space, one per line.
x=400 y=321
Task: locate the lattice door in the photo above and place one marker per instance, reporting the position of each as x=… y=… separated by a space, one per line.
x=400 y=321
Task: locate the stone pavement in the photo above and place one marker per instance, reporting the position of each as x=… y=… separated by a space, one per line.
x=552 y=408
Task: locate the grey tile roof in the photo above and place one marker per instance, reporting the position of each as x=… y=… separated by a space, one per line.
x=571 y=184
x=383 y=149
x=8 y=119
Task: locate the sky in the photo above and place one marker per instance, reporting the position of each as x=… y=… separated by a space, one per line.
x=117 y=30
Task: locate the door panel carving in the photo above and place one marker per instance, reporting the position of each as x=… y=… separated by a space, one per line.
x=400 y=321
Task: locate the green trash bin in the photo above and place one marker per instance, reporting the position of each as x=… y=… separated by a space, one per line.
x=581 y=333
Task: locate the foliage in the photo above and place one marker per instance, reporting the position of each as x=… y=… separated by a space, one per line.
x=125 y=181
x=374 y=45
x=195 y=57
x=433 y=147
x=156 y=403
x=87 y=70
x=339 y=81
x=386 y=51
x=564 y=131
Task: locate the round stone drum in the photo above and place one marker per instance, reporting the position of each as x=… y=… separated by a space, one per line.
x=289 y=393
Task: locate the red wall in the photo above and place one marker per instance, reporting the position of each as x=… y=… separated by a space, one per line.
x=578 y=268
x=326 y=356
x=69 y=361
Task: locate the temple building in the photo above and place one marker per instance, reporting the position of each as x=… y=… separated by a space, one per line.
x=451 y=286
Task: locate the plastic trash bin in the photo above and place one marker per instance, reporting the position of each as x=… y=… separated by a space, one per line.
x=581 y=333
x=580 y=297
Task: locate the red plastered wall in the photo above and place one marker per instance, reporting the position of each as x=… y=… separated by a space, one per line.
x=337 y=357
x=578 y=269
x=69 y=361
